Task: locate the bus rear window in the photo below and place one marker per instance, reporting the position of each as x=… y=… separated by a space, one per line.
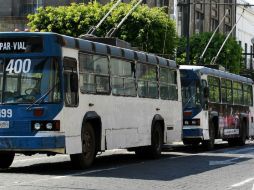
x=21 y=44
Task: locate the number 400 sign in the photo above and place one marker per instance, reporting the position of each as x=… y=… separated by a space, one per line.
x=19 y=66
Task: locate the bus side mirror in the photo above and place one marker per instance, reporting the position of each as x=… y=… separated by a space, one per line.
x=206 y=92
x=74 y=82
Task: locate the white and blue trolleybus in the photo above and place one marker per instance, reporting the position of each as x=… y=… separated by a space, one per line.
x=60 y=94
x=216 y=105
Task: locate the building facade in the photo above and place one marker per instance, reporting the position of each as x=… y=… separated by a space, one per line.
x=205 y=16
x=245 y=32
x=13 y=13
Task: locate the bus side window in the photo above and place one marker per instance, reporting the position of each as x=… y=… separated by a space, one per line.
x=70 y=82
x=94 y=74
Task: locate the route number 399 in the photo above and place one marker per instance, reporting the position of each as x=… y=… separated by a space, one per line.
x=5 y=113
x=19 y=66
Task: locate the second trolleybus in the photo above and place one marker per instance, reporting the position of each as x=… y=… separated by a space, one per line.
x=216 y=105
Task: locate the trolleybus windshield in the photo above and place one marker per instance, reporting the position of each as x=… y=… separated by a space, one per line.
x=23 y=80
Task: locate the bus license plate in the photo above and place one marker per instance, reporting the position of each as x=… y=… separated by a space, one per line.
x=4 y=124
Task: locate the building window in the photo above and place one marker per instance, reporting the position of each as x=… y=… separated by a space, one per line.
x=199 y=5
x=199 y=22
x=214 y=24
x=227 y=29
x=30 y=6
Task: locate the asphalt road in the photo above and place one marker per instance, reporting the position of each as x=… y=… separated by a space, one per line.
x=179 y=168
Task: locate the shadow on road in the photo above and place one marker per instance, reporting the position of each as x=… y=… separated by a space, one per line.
x=170 y=166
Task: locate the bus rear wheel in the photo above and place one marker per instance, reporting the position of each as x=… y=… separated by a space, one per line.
x=6 y=159
x=157 y=140
x=86 y=158
x=153 y=151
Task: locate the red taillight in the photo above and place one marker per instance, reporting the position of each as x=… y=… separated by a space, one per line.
x=57 y=125
x=38 y=112
x=187 y=113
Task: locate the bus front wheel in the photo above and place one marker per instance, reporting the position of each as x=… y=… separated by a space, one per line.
x=86 y=158
x=209 y=144
x=6 y=159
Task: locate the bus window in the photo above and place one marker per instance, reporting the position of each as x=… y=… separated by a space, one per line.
x=168 y=84
x=226 y=91
x=214 y=87
x=147 y=81
x=237 y=93
x=123 y=77
x=94 y=74
x=247 y=94
x=70 y=82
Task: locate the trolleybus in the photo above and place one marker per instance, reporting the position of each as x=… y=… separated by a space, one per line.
x=60 y=94
x=216 y=105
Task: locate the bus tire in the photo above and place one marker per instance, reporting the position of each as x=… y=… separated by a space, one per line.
x=86 y=158
x=209 y=144
x=6 y=159
x=156 y=141
x=153 y=151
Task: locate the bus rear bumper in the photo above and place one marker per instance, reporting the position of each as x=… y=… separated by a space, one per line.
x=38 y=144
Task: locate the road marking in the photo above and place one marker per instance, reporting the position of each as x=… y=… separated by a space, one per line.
x=37 y=159
x=233 y=160
x=243 y=182
x=239 y=150
x=224 y=162
x=253 y=187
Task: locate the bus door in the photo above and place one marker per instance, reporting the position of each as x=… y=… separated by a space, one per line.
x=70 y=82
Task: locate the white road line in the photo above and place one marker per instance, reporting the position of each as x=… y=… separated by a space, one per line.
x=243 y=182
x=239 y=150
x=253 y=187
x=37 y=159
x=224 y=162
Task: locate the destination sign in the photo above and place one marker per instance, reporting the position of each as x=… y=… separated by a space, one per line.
x=21 y=44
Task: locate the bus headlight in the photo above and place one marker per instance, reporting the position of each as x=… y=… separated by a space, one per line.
x=192 y=122
x=45 y=125
x=37 y=126
x=49 y=126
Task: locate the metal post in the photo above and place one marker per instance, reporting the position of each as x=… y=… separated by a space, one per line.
x=188 y=34
x=251 y=50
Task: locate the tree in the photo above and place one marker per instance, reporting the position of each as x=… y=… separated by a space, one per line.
x=230 y=56
x=149 y=29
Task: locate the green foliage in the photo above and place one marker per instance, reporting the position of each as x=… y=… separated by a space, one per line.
x=230 y=56
x=149 y=29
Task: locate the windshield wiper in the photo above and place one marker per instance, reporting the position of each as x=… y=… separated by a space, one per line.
x=186 y=104
x=40 y=99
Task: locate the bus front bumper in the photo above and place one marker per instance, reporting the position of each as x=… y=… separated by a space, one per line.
x=35 y=143
x=192 y=132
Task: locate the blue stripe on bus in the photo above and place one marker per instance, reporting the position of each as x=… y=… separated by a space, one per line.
x=192 y=133
x=31 y=142
x=20 y=122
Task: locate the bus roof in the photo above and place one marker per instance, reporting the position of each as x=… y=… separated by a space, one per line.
x=98 y=48
x=216 y=73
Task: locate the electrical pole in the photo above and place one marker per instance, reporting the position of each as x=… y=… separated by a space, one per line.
x=188 y=34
